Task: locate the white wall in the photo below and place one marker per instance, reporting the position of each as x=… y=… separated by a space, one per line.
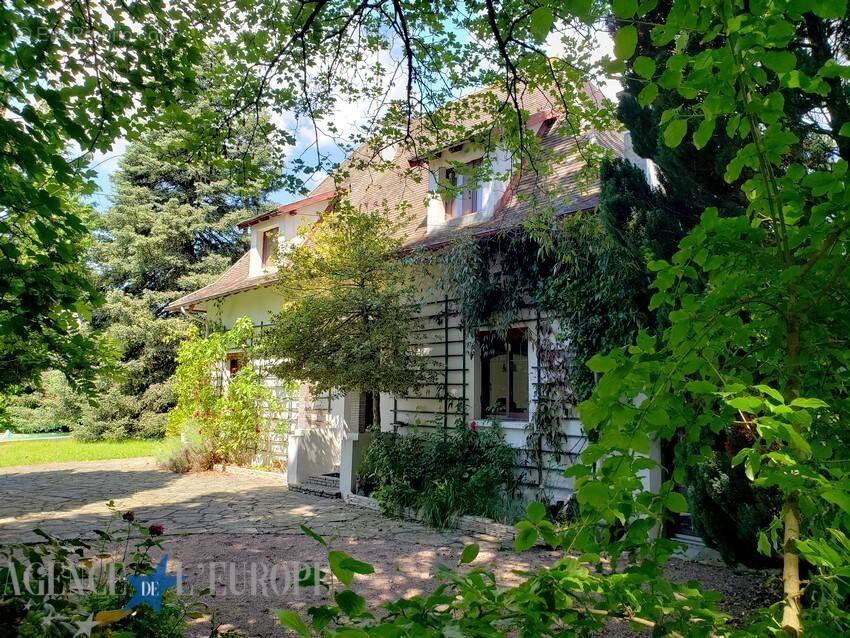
x=260 y=304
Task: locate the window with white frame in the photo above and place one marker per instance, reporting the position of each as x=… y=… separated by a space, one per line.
x=463 y=197
x=504 y=374
x=268 y=249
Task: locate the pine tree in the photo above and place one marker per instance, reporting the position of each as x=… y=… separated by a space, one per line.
x=171 y=229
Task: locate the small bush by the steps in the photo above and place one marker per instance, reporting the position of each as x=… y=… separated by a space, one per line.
x=442 y=475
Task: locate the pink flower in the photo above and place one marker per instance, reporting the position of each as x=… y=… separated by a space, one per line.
x=156 y=529
x=473 y=425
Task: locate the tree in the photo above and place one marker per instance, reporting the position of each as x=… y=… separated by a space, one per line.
x=349 y=309
x=75 y=78
x=693 y=176
x=46 y=293
x=170 y=230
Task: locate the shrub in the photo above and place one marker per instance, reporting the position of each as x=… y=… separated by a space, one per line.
x=52 y=406
x=114 y=414
x=227 y=411
x=188 y=454
x=467 y=470
x=727 y=510
x=73 y=580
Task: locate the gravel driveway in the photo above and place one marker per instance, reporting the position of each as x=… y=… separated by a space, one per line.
x=240 y=536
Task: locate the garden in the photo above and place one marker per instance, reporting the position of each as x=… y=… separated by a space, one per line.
x=702 y=299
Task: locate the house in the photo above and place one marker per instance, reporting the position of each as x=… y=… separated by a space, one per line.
x=500 y=385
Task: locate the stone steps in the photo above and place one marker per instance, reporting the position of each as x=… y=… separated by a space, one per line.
x=324 y=485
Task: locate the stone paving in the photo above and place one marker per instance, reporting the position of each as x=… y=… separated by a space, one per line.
x=69 y=499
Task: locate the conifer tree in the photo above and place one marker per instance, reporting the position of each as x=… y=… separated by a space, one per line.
x=171 y=229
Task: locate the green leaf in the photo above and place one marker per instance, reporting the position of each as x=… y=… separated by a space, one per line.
x=644 y=66
x=535 y=511
x=542 y=20
x=828 y=9
x=811 y=404
x=746 y=404
x=316 y=537
x=335 y=560
x=676 y=502
x=469 y=553
x=601 y=363
x=674 y=132
x=291 y=620
x=357 y=566
x=763 y=545
x=624 y=8
x=844 y=131
x=648 y=94
x=779 y=61
x=350 y=603
x=838 y=497
x=703 y=133
x=593 y=493
x=625 y=42
x=773 y=393
x=526 y=537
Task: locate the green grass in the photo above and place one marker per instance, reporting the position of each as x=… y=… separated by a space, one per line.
x=57 y=451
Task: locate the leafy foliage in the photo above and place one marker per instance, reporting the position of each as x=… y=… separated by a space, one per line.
x=50 y=588
x=754 y=339
x=170 y=230
x=440 y=475
x=348 y=308
x=52 y=406
x=74 y=81
x=227 y=412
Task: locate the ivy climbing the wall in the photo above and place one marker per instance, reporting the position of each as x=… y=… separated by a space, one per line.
x=582 y=279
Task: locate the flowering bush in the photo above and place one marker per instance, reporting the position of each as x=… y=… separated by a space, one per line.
x=225 y=410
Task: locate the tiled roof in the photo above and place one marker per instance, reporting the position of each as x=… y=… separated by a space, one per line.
x=291 y=207
x=235 y=279
x=401 y=190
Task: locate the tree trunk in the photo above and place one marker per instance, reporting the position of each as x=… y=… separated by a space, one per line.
x=376 y=411
x=791 y=622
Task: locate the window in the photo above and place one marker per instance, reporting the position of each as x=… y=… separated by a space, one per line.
x=269 y=247
x=504 y=374
x=463 y=200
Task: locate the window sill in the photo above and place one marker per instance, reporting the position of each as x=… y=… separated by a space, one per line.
x=510 y=424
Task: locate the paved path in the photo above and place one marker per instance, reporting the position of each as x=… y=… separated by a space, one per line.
x=69 y=499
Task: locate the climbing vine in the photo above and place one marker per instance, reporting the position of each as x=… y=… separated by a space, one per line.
x=591 y=292
x=226 y=409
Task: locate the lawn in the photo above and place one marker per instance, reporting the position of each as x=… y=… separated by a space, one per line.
x=55 y=451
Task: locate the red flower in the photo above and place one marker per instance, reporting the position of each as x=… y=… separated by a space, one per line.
x=129 y=516
x=156 y=529
x=473 y=425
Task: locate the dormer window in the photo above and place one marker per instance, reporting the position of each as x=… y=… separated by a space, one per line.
x=464 y=196
x=269 y=247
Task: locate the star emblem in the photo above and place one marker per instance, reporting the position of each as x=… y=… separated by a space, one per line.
x=150 y=588
x=85 y=627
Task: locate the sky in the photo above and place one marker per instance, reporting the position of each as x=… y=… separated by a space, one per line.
x=347 y=119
